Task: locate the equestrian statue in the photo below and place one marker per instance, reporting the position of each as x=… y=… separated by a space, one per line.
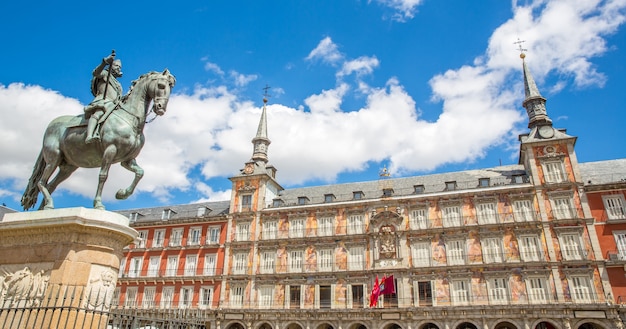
x=110 y=131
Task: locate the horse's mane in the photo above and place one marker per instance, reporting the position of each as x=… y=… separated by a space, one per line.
x=142 y=77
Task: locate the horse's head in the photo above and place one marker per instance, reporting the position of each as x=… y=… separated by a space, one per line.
x=162 y=86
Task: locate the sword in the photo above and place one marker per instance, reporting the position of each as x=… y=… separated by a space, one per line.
x=104 y=96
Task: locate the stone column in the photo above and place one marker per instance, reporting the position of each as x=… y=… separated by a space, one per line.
x=62 y=264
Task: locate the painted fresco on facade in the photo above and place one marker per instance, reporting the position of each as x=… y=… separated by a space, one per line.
x=438 y=250
x=511 y=246
x=474 y=250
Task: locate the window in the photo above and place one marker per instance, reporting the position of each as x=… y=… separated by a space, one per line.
x=553 y=172
x=159 y=238
x=518 y=179
x=190 y=265
x=563 y=208
x=498 y=290
x=455 y=252
x=581 y=289
x=570 y=246
x=486 y=213
x=325 y=297
x=418 y=219
x=483 y=182
x=529 y=248
x=355 y=224
x=296 y=228
x=295 y=261
x=172 y=266
x=418 y=189
x=135 y=267
x=421 y=254
x=268 y=259
x=131 y=297
x=451 y=186
x=167 y=297
x=387 y=192
x=620 y=241
x=148 y=297
x=302 y=200
x=176 y=238
x=294 y=296
x=246 y=202
x=425 y=293
x=266 y=295
x=240 y=263
x=236 y=296
x=325 y=260
x=210 y=261
x=116 y=297
x=141 y=239
x=167 y=214
x=277 y=203
x=243 y=232
x=153 y=266
x=451 y=216
x=269 y=230
x=329 y=197
x=614 y=205
x=492 y=250
x=133 y=216
x=194 y=236
x=202 y=211
x=325 y=226
x=214 y=235
x=523 y=211
x=358 y=195
x=537 y=290
x=460 y=292
x=355 y=258
x=122 y=267
x=357 y=296
x=206 y=297
x=185 y=298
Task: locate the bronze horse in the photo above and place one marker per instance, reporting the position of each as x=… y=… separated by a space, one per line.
x=121 y=141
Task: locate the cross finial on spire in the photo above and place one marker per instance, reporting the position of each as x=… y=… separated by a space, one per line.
x=265 y=94
x=521 y=50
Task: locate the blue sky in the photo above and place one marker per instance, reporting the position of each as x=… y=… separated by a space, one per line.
x=418 y=86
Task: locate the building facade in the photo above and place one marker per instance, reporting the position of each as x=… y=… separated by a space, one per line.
x=536 y=245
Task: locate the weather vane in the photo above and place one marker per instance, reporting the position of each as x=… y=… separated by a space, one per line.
x=265 y=94
x=521 y=50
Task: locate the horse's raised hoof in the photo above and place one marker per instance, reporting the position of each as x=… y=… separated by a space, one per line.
x=122 y=194
x=48 y=207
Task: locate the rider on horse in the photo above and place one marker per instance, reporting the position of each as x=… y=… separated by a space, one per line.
x=107 y=91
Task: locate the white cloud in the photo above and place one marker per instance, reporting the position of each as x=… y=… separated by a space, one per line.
x=325 y=51
x=361 y=66
x=241 y=80
x=212 y=67
x=404 y=9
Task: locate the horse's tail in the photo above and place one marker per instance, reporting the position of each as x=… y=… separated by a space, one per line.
x=32 y=190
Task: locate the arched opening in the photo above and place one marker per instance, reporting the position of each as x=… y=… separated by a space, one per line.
x=357 y=326
x=265 y=326
x=235 y=326
x=505 y=325
x=293 y=326
x=466 y=325
x=429 y=326
x=544 y=325
x=325 y=326
x=589 y=326
x=392 y=326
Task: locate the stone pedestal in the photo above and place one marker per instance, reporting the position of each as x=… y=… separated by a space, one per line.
x=58 y=268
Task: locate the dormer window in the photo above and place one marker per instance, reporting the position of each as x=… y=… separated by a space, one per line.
x=518 y=179
x=387 y=192
x=451 y=186
x=302 y=200
x=357 y=195
x=418 y=189
x=483 y=182
x=203 y=211
x=277 y=203
x=167 y=214
x=133 y=216
x=329 y=198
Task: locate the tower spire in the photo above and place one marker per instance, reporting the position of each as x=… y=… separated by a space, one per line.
x=534 y=103
x=261 y=141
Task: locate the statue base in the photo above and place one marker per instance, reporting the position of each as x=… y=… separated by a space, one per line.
x=59 y=268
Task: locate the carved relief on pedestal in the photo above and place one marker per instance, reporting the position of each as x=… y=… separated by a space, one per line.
x=100 y=288
x=24 y=285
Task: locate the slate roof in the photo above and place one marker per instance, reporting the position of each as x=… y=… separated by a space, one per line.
x=183 y=211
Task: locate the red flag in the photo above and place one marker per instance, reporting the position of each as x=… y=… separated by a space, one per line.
x=388 y=286
x=375 y=293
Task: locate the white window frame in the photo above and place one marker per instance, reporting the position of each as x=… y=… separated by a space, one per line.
x=167 y=214
x=563 y=208
x=210 y=263
x=270 y=230
x=241 y=262
x=418 y=219
x=268 y=261
x=185 y=297
x=530 y=248
x=523 y=210
x=237 y=292
x=492 y=250
x=554 y=171
x=581 y=288
x=325 y=260
x=243 y=231
x=296 y=228
x=122 y=267
x=134 y=270
x=206 y=297
x=296 y=261
x=325 y=226
x=191 y=265
x=460 y=291
x=538 y=289
x=455 y=252
x=131 y=297
x=195 y=236
x=266 y=296
x=159 y=238
x=452 y=216
x=153 y=266
x=356 y=257
x=498 y=290
x=356 y=224
x=213 y=235
x=487 y=213
x=147 y=301
x=571 y=246
x=420 y=252
x=167 y=297
x=176 y=237
x=615 y=206
x=620 y=243
x=172 y=266
x=246 y=202
x=142 y=238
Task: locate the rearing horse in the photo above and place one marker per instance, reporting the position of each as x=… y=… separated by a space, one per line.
x=121 y=140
